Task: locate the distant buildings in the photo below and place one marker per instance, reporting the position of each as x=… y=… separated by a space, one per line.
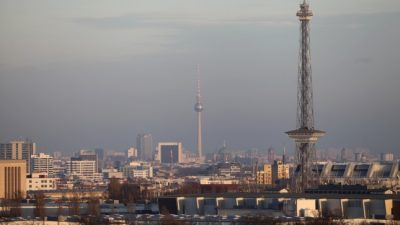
x=387 y=157
x=144 y=145
x=273 y=174
x=12 y=179
x=138 y=169
x=18 y=149
x=170 y=152
x=42 y=163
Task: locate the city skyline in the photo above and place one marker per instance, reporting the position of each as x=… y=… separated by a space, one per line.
x=137 y=73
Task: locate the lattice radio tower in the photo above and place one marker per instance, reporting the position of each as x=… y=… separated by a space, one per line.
x=305 y=136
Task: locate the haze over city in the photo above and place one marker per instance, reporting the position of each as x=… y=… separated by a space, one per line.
x=95 y=74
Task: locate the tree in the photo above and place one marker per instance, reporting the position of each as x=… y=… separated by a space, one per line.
x=15 y=206
x=74 y=204
x=114 y=189
x=93 y=206
x=40 y=210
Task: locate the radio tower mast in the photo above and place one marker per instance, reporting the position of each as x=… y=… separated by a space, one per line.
x=198 y=107
x=305 y=136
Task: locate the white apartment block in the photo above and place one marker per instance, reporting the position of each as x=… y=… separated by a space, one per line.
x=40 y=182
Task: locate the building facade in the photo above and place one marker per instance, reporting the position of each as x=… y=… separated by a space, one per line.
x=280 y=172
x=264 y=176
x=13 y=179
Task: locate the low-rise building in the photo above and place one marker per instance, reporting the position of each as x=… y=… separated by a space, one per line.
x=40 y=182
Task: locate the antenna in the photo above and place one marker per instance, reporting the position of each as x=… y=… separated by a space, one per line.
x=198 y=80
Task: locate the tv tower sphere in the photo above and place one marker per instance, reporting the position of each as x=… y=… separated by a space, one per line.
x=198 y=107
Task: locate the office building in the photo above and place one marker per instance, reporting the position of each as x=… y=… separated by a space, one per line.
x=170 y=152
x=91 y=155
x=13 y=179
x=84 y=169
x=42 y=163
x=144 y=145
x=18 y=149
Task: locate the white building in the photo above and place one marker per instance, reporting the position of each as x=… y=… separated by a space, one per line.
x=42 y=163
x=138 y=169
x=84 y=169
x=40 y=182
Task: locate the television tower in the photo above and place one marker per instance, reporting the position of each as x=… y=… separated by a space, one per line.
x=305 y=136
x=198 y=107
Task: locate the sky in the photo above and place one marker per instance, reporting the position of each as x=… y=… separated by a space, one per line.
x=88 y=74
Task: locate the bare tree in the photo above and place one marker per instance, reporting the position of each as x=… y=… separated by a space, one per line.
x=74 y=204
x=40 y=210
x=93 y=205
x=5 y=205
x=15 y=206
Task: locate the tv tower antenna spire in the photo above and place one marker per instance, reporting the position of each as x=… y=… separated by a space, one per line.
x=198 y=107
x=305 y=136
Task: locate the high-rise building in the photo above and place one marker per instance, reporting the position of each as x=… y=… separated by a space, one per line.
x=198 y=107
x=100 y=158
x=18 y=149
x=42 y=163
x=144 y=145
x=170 y=152
x=12 y=179
x=305 y=135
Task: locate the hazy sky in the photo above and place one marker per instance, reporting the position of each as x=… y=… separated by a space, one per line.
x=86 y=74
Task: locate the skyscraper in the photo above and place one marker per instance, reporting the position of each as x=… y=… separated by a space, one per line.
x=305 y=136
x=198 y=107
x=144 y=145
x=18 y=149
